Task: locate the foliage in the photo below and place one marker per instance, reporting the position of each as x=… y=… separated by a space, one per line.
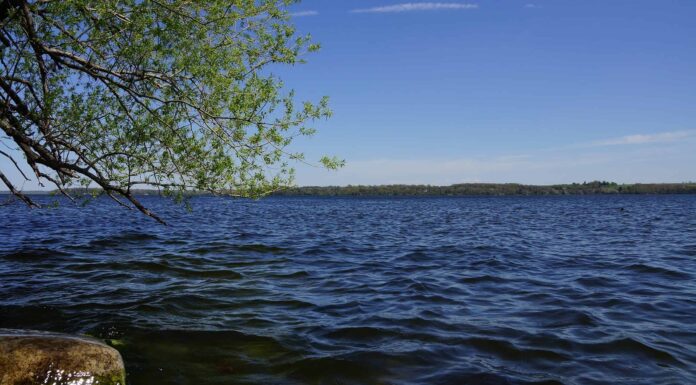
x=169 y=94
x=494 y=189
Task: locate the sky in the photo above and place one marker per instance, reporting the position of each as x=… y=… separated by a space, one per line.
x=528 y=91
x=541 y=92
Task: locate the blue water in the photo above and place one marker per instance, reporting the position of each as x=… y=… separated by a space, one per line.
x=474 y=290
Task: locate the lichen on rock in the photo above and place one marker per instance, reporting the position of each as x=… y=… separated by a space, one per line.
x=33 y=358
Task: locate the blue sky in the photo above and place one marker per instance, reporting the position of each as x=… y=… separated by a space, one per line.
x=502 y=91
x=529 y=91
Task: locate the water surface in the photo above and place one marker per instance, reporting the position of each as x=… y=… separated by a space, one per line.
x=473 y=290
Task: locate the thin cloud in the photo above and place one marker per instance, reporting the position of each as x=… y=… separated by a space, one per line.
x=647 y=138
x=531 y=5
x=411 y=7
x=304 y=13
x=626 y=164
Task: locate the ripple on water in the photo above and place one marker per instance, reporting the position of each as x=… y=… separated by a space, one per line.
x=659 y=271
x=480 y=290
x=33 y=255
x=122 y=240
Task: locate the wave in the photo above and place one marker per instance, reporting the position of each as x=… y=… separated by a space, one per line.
x=33 y=254
x=661 y=271
x=630 y=346
x=122 y=239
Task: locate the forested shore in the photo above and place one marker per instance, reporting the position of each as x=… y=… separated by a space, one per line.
x=495 y=189
x=462 y=189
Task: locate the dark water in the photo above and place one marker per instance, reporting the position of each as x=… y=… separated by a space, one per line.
x=555 y=290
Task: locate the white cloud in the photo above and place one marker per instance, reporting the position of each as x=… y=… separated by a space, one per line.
x=647 y=138
x=409 y=7
x=304 y=13
x=504 y=169
x=625 y=165
x=622 y=160
x=531 y=5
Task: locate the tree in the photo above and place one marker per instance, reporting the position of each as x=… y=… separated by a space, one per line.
x=167 y=94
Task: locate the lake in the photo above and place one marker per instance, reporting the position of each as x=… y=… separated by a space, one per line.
x=467 y=290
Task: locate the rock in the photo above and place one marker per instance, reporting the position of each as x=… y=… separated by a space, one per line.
x=30 y=357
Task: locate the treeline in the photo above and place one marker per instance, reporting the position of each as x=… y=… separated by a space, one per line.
x=463 y=189
x=587 y=188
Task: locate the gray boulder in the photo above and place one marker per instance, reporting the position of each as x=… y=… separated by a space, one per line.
x=31 y=357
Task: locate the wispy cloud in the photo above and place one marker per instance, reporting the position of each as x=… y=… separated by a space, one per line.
x=629 y=165
x=627 y=159
x=625 y=164
x=531 y=5
x=304 y=13
x=647 y=138
x=410 y=7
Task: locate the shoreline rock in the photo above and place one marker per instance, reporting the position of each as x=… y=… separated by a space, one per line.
x=29 y=357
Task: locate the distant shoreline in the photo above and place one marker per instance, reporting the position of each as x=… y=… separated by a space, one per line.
x=494 y=189
x=463 y=189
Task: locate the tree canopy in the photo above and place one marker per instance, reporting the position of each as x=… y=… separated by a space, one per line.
x=176 y=95
x=493 y=189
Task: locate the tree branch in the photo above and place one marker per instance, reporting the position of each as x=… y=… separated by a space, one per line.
x=16 y=192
